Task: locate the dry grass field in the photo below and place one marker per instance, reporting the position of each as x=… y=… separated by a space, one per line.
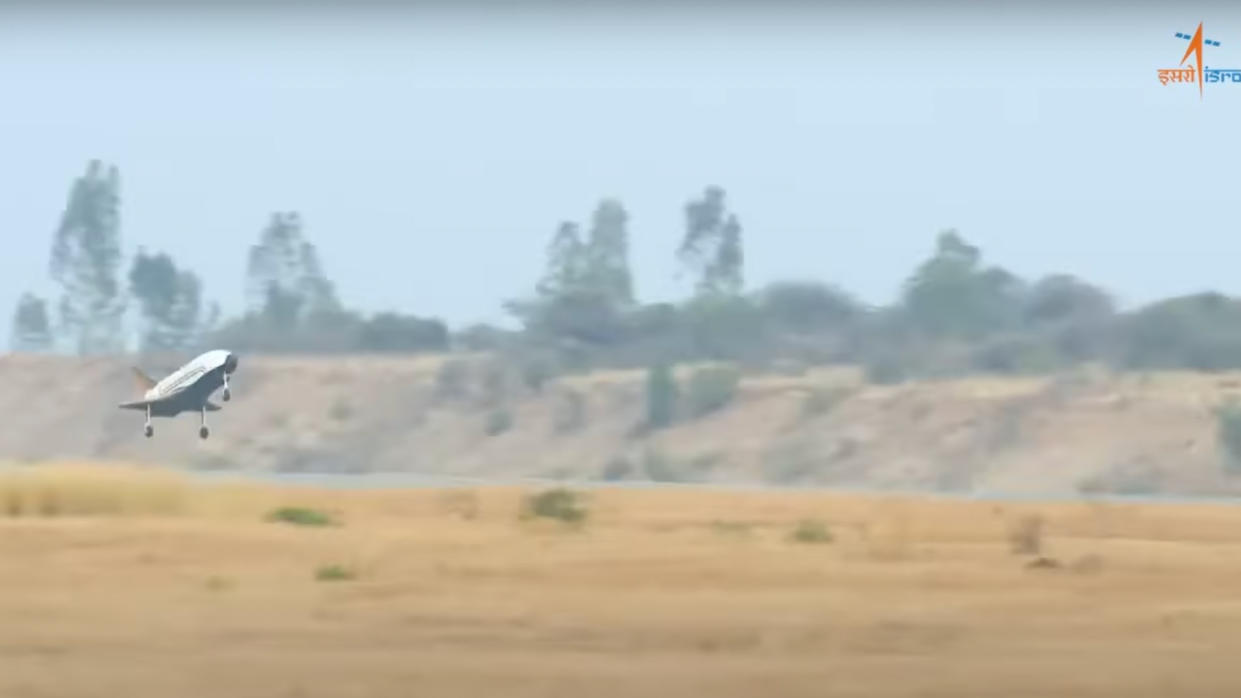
x=118 y=581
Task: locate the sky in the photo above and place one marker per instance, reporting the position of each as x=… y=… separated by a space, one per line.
x=432 y=152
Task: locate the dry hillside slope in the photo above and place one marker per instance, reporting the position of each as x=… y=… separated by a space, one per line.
x=462 y=416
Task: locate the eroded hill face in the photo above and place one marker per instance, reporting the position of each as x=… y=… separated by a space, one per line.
x=1138 y=433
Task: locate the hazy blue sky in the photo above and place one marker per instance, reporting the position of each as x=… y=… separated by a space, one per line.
x=432 y=156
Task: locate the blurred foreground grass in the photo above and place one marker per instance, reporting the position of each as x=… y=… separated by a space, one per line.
x=120 y=580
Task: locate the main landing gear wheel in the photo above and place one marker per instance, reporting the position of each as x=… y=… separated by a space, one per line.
x=227 y=395
x=203 y=432
x=148 y=431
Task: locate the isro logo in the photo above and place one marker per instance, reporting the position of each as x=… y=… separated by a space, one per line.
x=1197 y=72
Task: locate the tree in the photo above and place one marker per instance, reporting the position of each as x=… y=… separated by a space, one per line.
x=808 y=306
x=1201 y=331
x=1079 y=318
x=607 y=254
x=32 y=331
x=584 y=285
x=952 y=295
x=285 y=282
x=712 y=247
x=396 y=332
x=567 y=264
x=170 y=300
x=86 y=259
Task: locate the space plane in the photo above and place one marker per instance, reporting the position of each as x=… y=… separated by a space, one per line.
x=187 y=389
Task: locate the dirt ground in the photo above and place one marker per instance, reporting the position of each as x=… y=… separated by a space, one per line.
x=188 y=591
x=1086 y=430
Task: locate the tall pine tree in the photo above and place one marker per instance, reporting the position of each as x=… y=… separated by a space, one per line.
x=607 y=254
x=170 y=299
x=711 y=248
x=285 y=281
x=86 y=260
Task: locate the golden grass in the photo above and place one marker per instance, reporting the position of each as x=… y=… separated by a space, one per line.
x=140 y=583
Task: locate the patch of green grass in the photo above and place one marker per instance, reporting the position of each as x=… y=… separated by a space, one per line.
x=334 y=573
x=301 y=516
x=559 y=503
x=811 y=531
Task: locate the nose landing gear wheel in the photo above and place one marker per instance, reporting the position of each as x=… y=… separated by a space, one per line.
x=203 y=432
x=227 y=395
x=149 y=431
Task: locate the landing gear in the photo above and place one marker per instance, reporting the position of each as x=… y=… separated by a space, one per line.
x=147 y=429
x=228 y=394
x=203 y=432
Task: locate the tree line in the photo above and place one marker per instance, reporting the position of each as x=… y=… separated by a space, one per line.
x=955 y=313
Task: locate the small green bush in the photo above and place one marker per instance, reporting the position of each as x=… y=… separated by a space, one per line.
x=535 y=374
x=495 y=384
x=334 y=573
x=662 y=395
x=451 y=382
x=886 y=369
x=560 y=503
x=1228 y=433
x=820 y=401
x=811 y=531
x=301 y=516
x=711 y=388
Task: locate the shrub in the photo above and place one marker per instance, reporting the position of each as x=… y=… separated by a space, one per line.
x=811 y=531
x=301 y=516
x=334 y=573
x=661 y=396
x=821 y=400
x=560 y=503
x=495 y=384
x=535 y=374
x=885 y=369
x=711 y=388
x=451 y=380
x=1228 y=433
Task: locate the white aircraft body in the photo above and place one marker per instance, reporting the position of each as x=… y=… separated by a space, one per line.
x=186 y=389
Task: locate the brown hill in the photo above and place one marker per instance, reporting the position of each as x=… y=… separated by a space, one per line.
x=471 y=416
